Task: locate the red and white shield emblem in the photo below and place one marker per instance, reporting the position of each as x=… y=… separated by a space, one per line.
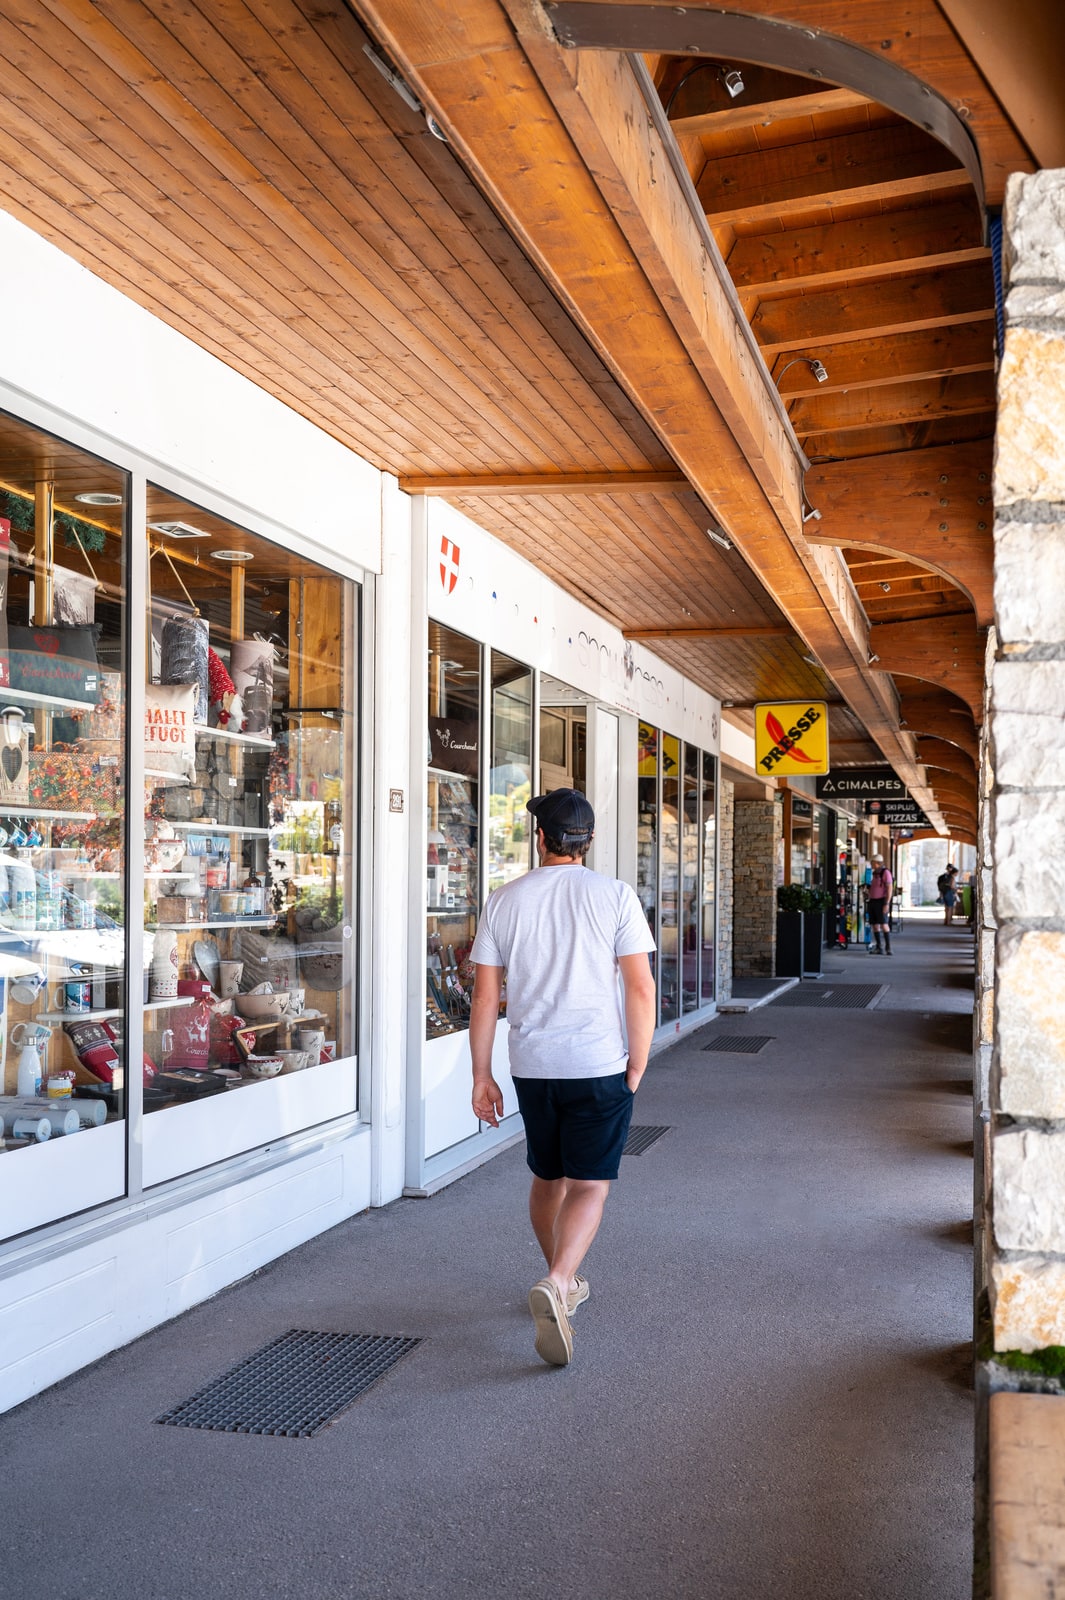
x=449 y=564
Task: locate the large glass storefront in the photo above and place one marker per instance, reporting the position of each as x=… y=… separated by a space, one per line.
x=237 y=967
x=676 y=867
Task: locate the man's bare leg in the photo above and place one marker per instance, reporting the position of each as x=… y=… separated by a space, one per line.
x=565 y=1215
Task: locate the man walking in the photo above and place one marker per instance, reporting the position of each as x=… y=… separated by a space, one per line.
x=879 y=906
x=578 y=1046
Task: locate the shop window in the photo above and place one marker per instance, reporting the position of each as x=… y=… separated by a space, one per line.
x=689 y=880
x=63 y=663
x=669 y=880
x=708 y=984
x=647 y=830
x=249 y=740
x=453 y=823
x=510 y=775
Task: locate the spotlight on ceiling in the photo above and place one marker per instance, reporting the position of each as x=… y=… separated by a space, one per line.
x=818 y=368
x=732 y=78
x=886 y=588
x=873 y=658
x=719 y=538
x=812 y=660
x=811 y=514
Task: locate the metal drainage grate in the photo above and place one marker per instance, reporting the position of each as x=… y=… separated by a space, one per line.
x=641 y=1139
x=837 y=996
x=740 y=1044
x=293 y=1386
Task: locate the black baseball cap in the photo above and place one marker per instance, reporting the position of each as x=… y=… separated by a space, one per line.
x=564 y=814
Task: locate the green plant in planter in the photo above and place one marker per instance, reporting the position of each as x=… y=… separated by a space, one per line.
x=792 y=897
x=821 y=900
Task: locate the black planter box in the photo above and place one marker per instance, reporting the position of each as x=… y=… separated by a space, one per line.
x=790 y=943
x=813 y=938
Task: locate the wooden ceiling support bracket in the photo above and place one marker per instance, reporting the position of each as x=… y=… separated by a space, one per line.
x=933 y=506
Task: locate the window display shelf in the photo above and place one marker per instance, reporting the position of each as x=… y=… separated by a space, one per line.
x=30 y=810
x=204 y=825
x=265 y=1023
x=459 y=909
x=164 y=780
x=112 y=1011
x=254 y=741
x=190 y=927
x=27 y=697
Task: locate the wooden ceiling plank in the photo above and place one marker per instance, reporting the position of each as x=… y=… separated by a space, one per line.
x=933 y=505
x=859 y=248
x=936 y=752
x=880 y=163
x=282 y=227
x=972 y=393
x=826 y=447
x=232 y=338
x=872 y=363
x=929 y=300
x=237 y=284
x=762 y=113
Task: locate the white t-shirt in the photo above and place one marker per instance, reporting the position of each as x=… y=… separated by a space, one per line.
x=559 y=932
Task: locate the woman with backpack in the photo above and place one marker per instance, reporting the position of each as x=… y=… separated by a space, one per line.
x=945 y=885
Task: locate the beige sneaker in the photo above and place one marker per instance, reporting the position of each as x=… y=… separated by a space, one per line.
x=554 y=1336
x=577 y=1296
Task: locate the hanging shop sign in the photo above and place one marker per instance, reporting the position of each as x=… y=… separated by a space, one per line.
x=801 y=808
x=791 y=737
x=860 y=783
x=903 y=814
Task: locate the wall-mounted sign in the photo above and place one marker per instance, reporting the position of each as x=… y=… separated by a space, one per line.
x=801 y=808
x=453 y=745
x=791 y=738
x=860 y=783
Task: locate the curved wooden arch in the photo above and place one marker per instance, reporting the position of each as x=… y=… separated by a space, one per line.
x=946 y=651
x=942 y=714
x=931 y=506
x=942 y=754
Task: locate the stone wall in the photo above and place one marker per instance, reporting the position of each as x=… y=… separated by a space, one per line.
x=726 y=905
x=757 y=842
x=1027 y=755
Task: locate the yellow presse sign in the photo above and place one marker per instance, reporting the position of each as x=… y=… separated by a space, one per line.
x=791 y=738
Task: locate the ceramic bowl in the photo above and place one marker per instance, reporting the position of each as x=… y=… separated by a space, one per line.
x=263 y=1005
x=263 y=1066
x=294 y=1060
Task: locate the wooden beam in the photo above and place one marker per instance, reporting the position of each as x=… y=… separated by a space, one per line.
x=930 y=300
x=857 y=248
x=943 y=715
x=792 y=180
x=872 y=363
x=763 y=113
x=935 y=752
x=759 y=632
x=1019 y=50
x=894 y=403
x=536 y=483
x=949 y=652
x=933 y=506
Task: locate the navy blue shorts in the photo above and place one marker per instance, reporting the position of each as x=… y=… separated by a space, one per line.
x=575 y=1127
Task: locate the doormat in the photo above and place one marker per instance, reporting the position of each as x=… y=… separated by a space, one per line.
x=832 y=997
x=740 y=1044
x=641 y=1139
x=294 y=1386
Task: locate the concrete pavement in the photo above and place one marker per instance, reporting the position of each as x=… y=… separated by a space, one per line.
x=768 y=1399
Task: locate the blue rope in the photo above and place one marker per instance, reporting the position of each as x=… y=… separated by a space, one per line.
x=995 y=241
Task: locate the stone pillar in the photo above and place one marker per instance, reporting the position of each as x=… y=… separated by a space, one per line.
x=757 y=841
x=1027 y=1080
x=726 y=901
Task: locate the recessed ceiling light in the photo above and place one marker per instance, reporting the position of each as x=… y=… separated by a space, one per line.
x=98 y=498
x=178 y=530
x=231 y=555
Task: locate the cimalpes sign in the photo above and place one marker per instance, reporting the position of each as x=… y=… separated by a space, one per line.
x=861 y=783
x=791 y=737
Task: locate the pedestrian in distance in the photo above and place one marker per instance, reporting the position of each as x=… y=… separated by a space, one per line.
x=945 y=883
x=574 y=945
x=878 y=907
